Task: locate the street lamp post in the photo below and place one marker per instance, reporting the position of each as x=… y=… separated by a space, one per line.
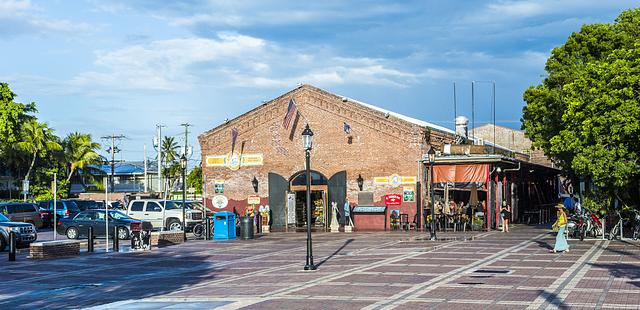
x=183 y=165
x=307 y=144
x=432 y=158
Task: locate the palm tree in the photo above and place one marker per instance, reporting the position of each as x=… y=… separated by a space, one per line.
x=170 y=150
x=79 y=151
x=35 y=138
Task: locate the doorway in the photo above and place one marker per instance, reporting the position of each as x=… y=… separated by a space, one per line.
x=318 y=208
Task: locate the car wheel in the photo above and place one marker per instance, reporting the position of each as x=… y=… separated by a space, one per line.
x=3 y=244
x=72 y=233
x=123 y=233
x=175 y=225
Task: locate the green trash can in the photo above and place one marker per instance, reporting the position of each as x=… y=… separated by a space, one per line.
x=246 y=227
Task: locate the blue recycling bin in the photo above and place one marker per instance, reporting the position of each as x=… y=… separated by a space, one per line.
x=224 y=226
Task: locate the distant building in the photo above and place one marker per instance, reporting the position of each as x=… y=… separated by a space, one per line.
x=129 y=177
x=512 y=139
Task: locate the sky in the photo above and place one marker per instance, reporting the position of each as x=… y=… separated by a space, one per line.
x=120 y=67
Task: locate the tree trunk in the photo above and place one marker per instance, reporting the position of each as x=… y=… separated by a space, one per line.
x=72 y=170
x=33 y=161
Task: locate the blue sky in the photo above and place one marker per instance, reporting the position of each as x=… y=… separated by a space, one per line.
x=121 y=67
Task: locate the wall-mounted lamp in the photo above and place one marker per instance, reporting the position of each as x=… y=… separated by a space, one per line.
x=360 y=181
x=254 y=182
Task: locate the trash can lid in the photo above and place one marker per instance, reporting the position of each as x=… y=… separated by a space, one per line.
x=224 y=213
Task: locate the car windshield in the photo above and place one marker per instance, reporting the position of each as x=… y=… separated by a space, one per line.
x=4 y=218
x=196 y=205
x=169 y=205
x=72 y=206
x=118 y=215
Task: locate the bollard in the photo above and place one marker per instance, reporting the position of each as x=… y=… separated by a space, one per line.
x=116 y=241
x=90 y=240
x=207 y=229
x=12 y=246
x=259 y=224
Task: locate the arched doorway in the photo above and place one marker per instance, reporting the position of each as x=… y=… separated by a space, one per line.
x=319 y=189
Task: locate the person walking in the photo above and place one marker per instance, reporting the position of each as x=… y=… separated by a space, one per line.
x=560 y=225
x=505 y=213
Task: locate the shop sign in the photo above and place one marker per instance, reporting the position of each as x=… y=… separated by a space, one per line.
x=408 y=194
x=219 y=201
x=218 y=187
x=392 y=199
x=234 y=161
x=253 y=200
x=395 y=180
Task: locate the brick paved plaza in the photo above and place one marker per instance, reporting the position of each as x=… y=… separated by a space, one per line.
x=382 y=270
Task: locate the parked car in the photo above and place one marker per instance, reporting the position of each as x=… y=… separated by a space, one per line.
x=84 y=204
x=163 y=214
x=113 y=205
x=22 y=212
x=64 y=208
x=25 y=232
x=196 y=205
x=78 y=226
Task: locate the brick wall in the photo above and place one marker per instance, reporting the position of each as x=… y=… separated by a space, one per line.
x=53 y=249
x=377 y=145
x=514 y=139
x=166 y=238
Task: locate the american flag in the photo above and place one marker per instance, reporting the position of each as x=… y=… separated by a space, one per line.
x=291 y=112
x=346 y=127
x=234 y=136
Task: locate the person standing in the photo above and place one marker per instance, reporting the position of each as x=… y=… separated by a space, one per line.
x=505 y=213
x=560 y=225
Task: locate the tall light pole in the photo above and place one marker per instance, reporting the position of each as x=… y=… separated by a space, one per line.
x=183 y=165
x=307 y=144
x=432 y=158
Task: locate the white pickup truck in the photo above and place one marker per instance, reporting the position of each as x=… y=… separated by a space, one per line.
x=163 y=214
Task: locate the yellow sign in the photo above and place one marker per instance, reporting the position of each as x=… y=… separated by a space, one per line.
x=234 y=161
x=395 y=180
x=381 y=180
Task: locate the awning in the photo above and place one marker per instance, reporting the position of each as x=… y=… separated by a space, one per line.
x=460 y=176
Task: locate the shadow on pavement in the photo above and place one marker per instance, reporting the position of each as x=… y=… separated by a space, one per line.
x=554 y=300
x=92 y=280
x=623 y=271
x=335 y=252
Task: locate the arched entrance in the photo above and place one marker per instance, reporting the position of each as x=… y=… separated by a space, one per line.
x=319 y=191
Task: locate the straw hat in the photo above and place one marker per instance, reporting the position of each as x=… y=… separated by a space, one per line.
x=560 y=206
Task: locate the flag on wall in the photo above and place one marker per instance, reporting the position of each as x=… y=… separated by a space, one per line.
x=347 y=128
x=234 y=137
x=291 y=112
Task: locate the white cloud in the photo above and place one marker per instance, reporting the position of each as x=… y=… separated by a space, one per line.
x=20 y=16
x=236 y=60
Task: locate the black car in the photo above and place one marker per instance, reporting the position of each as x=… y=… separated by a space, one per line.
x=78 y=226
x=85 y=205
x=25 y=232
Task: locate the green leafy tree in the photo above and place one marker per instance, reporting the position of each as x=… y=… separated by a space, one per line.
x=12 y=115
x=171 y=166
x=37 y=138
x=194 y=179
x=79 y=151
x=586 y=113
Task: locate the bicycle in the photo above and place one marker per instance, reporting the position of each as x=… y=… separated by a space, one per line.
x=616 y=229
x=199 y=230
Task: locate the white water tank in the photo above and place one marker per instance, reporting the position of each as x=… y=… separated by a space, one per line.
x=462 y=129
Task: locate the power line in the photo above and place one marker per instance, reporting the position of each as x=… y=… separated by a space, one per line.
x=113 y=150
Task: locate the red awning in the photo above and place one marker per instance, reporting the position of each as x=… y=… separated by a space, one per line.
x=460 y=173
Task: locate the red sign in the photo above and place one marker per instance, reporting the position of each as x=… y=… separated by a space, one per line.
x=393 y=199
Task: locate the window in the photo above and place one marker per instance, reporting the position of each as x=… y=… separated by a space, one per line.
x=26 y=208
x=153 y=206
x=82 y=217
x=137 y=206
x=11 y=209
x=43 y=205
x=170 y=205
x=99 y=216
x=72 y=206
x=316 y=179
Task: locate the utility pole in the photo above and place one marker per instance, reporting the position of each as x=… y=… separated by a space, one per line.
x=145 y=169
x=186 y=145
x=113 y=150
x=159 y=127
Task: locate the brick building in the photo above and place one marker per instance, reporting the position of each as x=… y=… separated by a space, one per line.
x=352 y=140
x=512 y=139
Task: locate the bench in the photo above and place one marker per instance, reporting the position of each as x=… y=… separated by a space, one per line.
x=166 y=238
x=54 y=249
